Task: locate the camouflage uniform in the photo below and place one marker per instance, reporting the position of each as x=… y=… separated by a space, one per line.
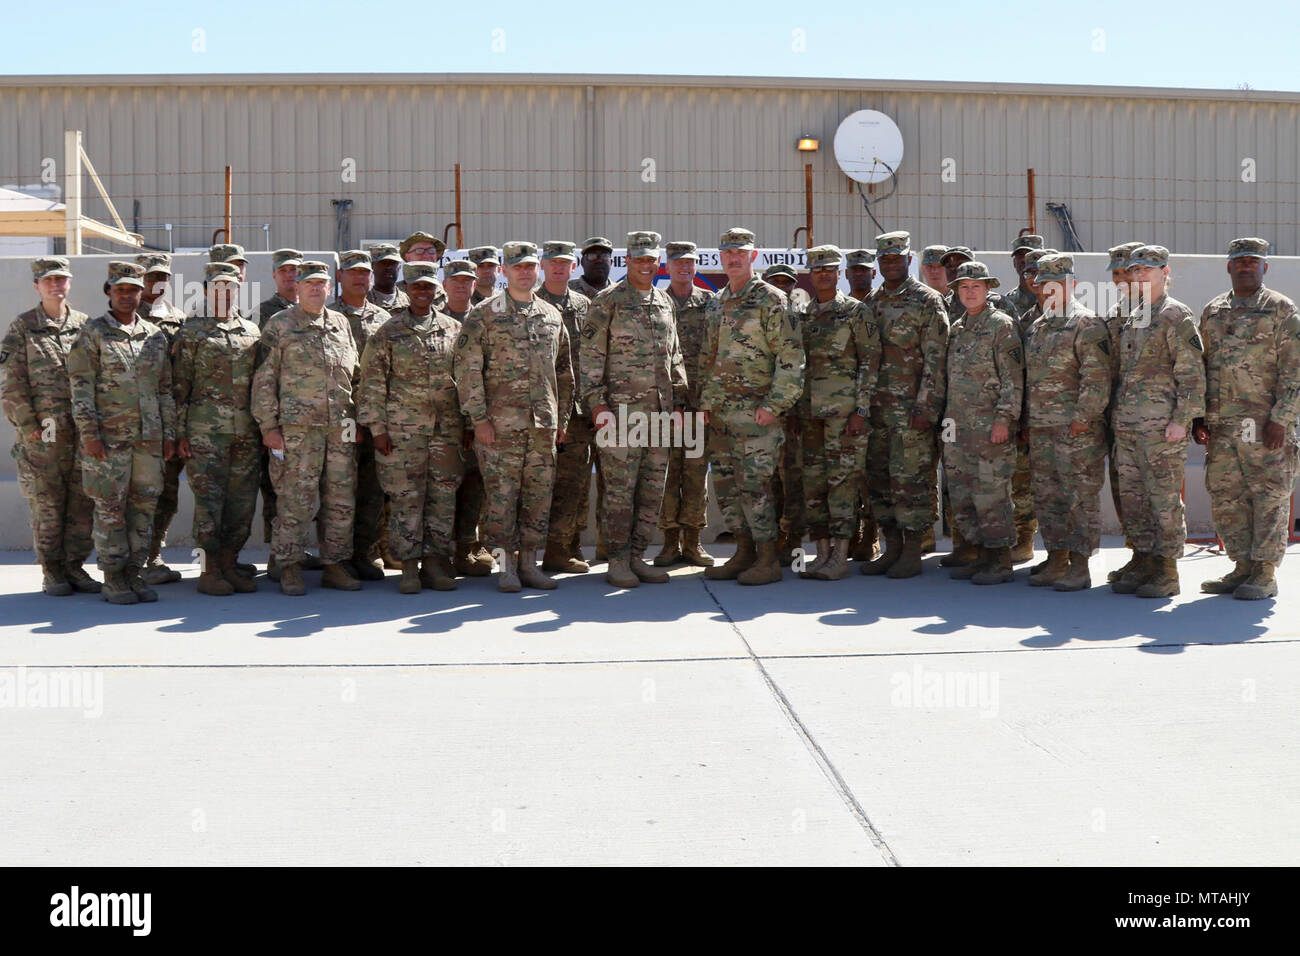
x=513 y=368
x=752 y=358
x=407 y=392
x=1018 y=302
x=305 y=388
x=213 y=362
x=569 y=503
x=686 y=496
x=121 y=384
x=170 y=320
x=1252 y=360
x=631 y=362
x=582 y=286
x=37 y=398
x=841 y=344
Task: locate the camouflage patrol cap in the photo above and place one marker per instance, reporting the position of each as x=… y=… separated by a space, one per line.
x=860 y=257
x=978 y=271
x=50 y=266
x=559 y=249
x=681 y=250
x=597 y=242
x=1119 y=254
x=643 y=244
x=221 y=272
x=894 y=244
x=439 y=246
x=311 y=269
x=825 y=257
x=1156 y=256
x=737 y=238
x=125 y=273
x=458 y=267
x=384 y=252
x=1026 y=242
x=958 y=251
x=1248 y=246
x=1056 y=268
x=517 y=253
x=481 y=254
x=1035 y=256
x=285 y=257
x=780 y=269
x=933 y=255
x=226 y=252
x=150 y=262
x=355 y=259
x=413 y=272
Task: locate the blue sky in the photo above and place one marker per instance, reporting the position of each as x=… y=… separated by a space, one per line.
x=1189 y=44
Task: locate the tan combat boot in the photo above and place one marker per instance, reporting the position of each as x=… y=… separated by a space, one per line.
x=908 y=564
x=54 y=581
x=1260 y=585
x=556 y=556
x=155 y=571
x=468 y=562
x=1077 y=578
x=1131 y=567
x=998 y=570
x=1023 y=550
x=836 y=567
x=211 y=580
x=229 y=568
x=1163 y=581
x=645 y=572
x=79 y=579
x=893 y=549
x=692 y=551
x=135 y=580
x=785 y=545
x=619 y=574
x=508 y=574
x=1058 y=563
x=436 y=573
x=963 y=552
x=766 y=569
x=336 y=576
x=742 y=560
x=926 y=541
x=291 y=580
x=530 y=575
x=964 y=572
x=1140 y=569
x=823 y=555
x=117 y=590
x=410 y=583
x=1229 y=582
x=671 y=552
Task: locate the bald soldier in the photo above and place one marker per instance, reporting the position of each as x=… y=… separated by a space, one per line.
x=38 y=403
x=487 y=264
x=1252 y=362
x=514 y=373
x=632 y=369
x=120 y=376
x=753 y=375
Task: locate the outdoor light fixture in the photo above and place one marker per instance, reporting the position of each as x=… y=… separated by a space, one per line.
x=807 y=144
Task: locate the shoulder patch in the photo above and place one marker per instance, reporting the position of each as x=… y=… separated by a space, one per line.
x=589 y=330
x=460 y=342
x=1103 y=343
x=4 y=356
x=1195 y=342
x=1017 y=354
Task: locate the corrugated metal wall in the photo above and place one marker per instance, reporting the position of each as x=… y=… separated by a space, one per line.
x=566 y=158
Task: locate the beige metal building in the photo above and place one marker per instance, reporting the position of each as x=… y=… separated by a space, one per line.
x=568 y=156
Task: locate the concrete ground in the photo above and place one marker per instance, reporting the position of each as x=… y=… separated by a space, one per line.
x=861 y=722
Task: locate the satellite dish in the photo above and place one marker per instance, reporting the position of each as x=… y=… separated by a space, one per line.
x=868 y=146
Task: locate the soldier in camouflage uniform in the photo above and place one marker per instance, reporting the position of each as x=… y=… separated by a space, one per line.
x=1067 y=371
x=230 y=252
x=596 y=255
x=422 y=247
x=514 y=372
x=284 y=273
x=907 y=404
x=213 y=360
x=632 y=367
x=1018 y=304
x=120 y=377
x=752 y=367
x=365 y=318
x=786 y=278
x=860 y=272
x=787 y=484
x=1252 y=360
x=1022 y=297
x=986 y=375
x=386 y=263
x=573 y=462
x=38 y=403
x=487 y=265
x=408 y=401
x=684 y=512
x=1115 y=317
x=932 y=270
x=303 y=400
x=471 y=558
x=1158 y=392
x=841 y=345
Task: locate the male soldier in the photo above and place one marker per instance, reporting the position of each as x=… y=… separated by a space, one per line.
x=1019 y=304
x=860 y=272
x=1252 y=360
x=284 y=273
x=514 y=372
x=120 y=376
x=365 y=318
x=213 y=360
x=842 y=351
x=1067 y=371
x=684 y=512
x=422 y=247
x=596 y=255
x=908 y=402
x=986 y=378
x=230 y=252
x=933 y=273
x=632 y=369
x=408 y=401
x=158 y=311
x=785 y=278
x=1159 y=391
x=487 y=263
x=38 y=403
x=458 y=279
x=303 y=402
x=787 y=487
x=1114 y=322
x=752 y=366
x=1022 y=298
x=386 y=262
x=573 y=462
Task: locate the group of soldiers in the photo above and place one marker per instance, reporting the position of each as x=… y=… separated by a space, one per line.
x=445 y=428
